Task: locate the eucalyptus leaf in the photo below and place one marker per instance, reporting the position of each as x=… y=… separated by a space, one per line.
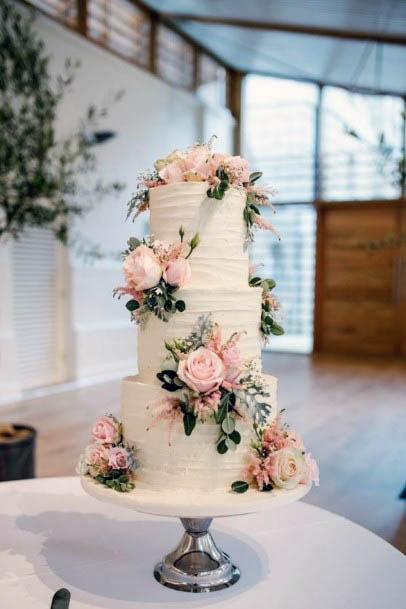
x=255 y=176
x=222 y=448
x=180 y=305
x=230 y=444
x=235 y=436
x=277 y=330
x=132 y=305
x=240 y=486
x=228 y=425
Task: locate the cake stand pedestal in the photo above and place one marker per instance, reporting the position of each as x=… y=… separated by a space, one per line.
x=196 y=564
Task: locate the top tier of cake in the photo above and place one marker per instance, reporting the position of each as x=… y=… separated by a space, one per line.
x=220 y=260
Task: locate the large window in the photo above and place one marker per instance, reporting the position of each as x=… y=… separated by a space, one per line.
x=278 y=136
x=361 y=145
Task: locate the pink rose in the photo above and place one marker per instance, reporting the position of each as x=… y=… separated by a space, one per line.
x=142 y=269
x=202 y=370
x=97 y=459
x=311 y=473
x=286 y=468
x=196 y=164
x=172 y=173
x=106 y=430
x=118 y=458
x=233 y=363
x=178 y=272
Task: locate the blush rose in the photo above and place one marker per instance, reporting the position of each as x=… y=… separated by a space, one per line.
x=286 y=467
x=178 y=272
x=142 y=269
x=106 y=430
x=118 y=458
x=202 y=370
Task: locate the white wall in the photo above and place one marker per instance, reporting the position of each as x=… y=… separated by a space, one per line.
x=150 y=120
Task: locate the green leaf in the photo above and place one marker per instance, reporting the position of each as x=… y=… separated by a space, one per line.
x=255 y=209
x=222 y=447
x=228 y=425
x=267 y=488
x=255 y=176
x=269 y=283
x=239 y=486
x=132 y=305
x=255 y=281
x=235 y=437
x=189 y=422
x=180 y=305
x=168 y=305
x=277 y=330
x=230 y=444
x=220 y=415
x=133 y=243
x=218 y=193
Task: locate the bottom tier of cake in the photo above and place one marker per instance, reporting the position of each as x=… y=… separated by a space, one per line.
x=168 y=459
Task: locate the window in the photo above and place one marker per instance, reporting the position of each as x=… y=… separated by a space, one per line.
x=278 y=136
x=361 y=145
x=122 y=26
x=175 y=58
x=63 y=10
x=211 y=81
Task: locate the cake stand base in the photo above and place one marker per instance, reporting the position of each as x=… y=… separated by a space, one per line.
x=197 y=564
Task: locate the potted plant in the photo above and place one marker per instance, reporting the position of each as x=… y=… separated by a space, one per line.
x=17 y=452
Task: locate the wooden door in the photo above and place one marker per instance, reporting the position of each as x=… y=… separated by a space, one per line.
x=360 y=304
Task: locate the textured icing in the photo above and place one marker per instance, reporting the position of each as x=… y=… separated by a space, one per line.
x=221 y=259
x=234 y=310
x=172 y=459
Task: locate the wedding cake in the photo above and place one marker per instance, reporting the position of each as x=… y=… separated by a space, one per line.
x=200 y=415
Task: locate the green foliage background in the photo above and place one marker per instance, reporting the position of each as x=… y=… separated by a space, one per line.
x=41 y=179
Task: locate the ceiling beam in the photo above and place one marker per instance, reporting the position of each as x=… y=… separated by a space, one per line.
x=293 y=28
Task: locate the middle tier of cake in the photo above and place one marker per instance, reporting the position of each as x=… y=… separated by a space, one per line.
x=234 y=310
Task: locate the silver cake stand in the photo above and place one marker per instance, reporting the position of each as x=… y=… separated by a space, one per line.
x=197 y=564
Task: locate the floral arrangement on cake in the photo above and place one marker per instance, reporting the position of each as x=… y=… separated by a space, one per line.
x=278 y=460
x=220 y=171
x=270 y=308
x=154 y=270
x=108 y=459
x=212 y=381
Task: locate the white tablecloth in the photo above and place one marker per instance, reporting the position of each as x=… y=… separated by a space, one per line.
x=298 y=557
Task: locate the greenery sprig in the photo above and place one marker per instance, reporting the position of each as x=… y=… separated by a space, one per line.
x=116 y=480
x=269 y=325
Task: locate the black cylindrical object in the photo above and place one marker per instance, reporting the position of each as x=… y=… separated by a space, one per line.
x=17 y=456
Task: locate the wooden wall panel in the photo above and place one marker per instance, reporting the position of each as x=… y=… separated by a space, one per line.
x=360 y=305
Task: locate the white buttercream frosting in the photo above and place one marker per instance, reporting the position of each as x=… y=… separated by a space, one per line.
x=234 y=310
x=220 y=260
x=219 y=285
x=168 y=459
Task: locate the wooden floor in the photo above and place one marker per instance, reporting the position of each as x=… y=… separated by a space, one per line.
x=352 y=414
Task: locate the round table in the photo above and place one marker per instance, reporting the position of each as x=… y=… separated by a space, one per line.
x=52 y=535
